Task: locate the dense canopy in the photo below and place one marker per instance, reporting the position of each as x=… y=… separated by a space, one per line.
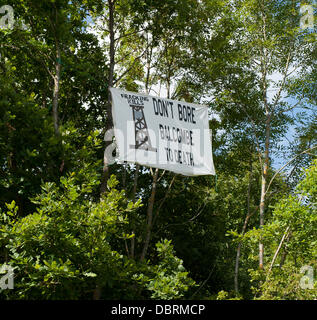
x=75 y=225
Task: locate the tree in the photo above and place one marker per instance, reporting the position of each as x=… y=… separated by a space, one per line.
x=288 y=239
x=66 y=248
x=73 y=231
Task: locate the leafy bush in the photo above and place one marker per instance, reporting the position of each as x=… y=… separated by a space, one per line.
x=290 y=241
x=63 y=250
x=169 y=279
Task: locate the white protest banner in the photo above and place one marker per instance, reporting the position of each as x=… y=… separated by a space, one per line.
x=162 y=133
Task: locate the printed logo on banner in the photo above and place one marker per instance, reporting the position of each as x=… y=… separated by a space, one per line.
x=142 y=136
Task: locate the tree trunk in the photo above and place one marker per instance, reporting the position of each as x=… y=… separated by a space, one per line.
x=56 y=89
x=236 y=270
x=151 y=200
x=285 y=235
x=135 y=184
x=137 y=168
x=97 y=293
x=284 y=254
x=264 y=183
x=109 y=121
x=149 y=216
x=265 y=166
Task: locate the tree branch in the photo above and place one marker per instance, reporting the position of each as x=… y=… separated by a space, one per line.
x=279 y=170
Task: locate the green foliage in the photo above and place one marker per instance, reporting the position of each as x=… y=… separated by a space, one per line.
x=168 y=279
x=63 y=250
x=294 y=218
x=63 y=241
x=224 y=295
x=283 y=284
